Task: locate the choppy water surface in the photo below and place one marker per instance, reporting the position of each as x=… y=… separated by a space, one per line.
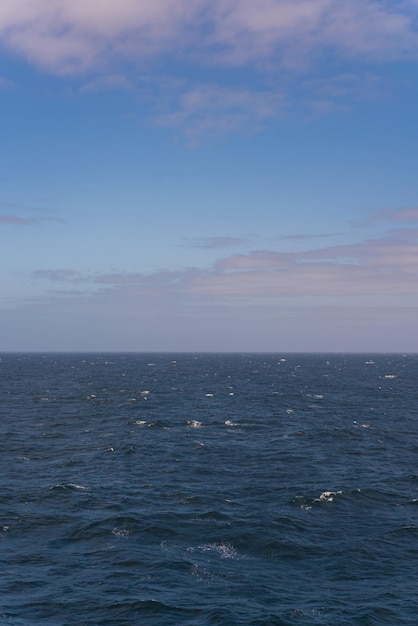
x=197 y=489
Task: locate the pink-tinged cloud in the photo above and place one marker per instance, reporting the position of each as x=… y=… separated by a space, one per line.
x=200 y=109
x=294 y=32
x=124 y=44
x=19 y=221
x=379 y=267
x=402 y=221
x=80 y=35
x=71 y=37
x=402 y=215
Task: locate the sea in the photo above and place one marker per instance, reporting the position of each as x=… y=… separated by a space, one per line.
x=209 y=489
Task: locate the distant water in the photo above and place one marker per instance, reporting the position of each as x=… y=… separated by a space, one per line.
x=209 y=489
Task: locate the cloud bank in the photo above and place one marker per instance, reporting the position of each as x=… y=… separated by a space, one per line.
x=361 y=296
x=381 y=266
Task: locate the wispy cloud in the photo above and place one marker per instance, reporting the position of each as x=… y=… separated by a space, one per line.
x=208 y=108
x=108 y=82
x=6 y=84
x=341 y=91
x=59 y=275
x=401 y=215
x=389 y=218
x=18 y=221
x=296 y=31
x=215 y=243
x=305 y=236
x=385 y=266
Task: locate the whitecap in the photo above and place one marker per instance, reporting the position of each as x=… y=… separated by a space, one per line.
x=121 y=532
x=194 y=424
x=69 y=486
x=327 y=496
x=225 y=550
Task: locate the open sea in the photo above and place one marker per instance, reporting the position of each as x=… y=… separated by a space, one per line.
x=208 y=489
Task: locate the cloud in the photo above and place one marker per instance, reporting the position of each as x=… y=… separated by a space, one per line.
x=6 y=84
x=109 y=82
x=77 y=36
x=156 y=48
x=401 y=215
x=339 y=92
x=394 y=217
x=211 y=108
x=72 y=37
x=382 y=269
x=214 y=243
x=385 y=266
x=59 y=275
x=16 y=220
x=303 y=236
x=294 y=32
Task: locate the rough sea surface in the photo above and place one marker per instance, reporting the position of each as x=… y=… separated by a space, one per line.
x=209 y=489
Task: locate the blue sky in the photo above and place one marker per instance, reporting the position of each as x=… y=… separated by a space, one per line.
x=209 y=175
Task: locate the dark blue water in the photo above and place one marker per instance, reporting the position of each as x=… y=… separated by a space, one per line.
x=209 y=490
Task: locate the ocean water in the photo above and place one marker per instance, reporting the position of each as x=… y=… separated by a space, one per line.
x=209 y=489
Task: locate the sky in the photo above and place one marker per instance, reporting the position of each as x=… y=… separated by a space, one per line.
x=209 y=175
